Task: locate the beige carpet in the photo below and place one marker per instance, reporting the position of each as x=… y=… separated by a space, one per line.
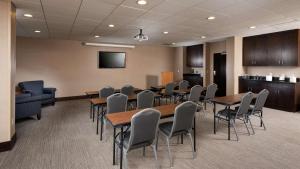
x=65 y=139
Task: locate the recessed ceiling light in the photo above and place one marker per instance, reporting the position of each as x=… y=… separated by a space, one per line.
x=252 y=27
x=203 y=37
x=37 y=31
x=141 y=2
x=111 y=25
x=173 y=43
x=97 y=36
x=211 y=18
x=28 y=15
x=165 y=32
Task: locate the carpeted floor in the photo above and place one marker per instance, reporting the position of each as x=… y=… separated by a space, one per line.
x=65 y=138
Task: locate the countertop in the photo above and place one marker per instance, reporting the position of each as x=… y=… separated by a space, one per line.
x=263 y=79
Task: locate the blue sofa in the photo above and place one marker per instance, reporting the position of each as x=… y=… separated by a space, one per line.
x=28 y=105
x=36 y=88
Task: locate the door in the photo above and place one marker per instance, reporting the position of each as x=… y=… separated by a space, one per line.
x=220 y=73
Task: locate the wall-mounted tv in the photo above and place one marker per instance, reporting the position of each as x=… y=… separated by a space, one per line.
x=111 y=59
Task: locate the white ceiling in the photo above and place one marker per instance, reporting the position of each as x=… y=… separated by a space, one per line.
x=185 y=20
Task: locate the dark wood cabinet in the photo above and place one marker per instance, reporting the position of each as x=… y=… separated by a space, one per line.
x=194 y=56
x=274 y=49
x=193 y=79
x=283 y=96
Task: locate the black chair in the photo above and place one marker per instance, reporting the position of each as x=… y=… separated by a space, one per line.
x=240 y=113
x=145 y=99
x=182 y=124
x=143 y=131
x=168 y=93
x=257 y=109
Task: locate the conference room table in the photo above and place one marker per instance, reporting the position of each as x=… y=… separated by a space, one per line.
x=90 y=94
x=123 y=119
x=227 y=101
x=101 y=102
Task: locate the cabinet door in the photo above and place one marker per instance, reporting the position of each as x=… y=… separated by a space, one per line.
x=194 y=56
x=248 y=51
x=272 y=98
x=289 y=48
x=274 y=49
x=285 y=95
x=243 y=86
x=260 y=51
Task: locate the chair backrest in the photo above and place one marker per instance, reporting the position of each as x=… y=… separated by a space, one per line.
x=145 y=99
x=35 y=87
x=195 y=93
x=211 y=91
x=183 y=85
x=117 y=103
x=127 y=90
x=183 y=118
x=169 y=88
x=245 y=104
x=261 y=100
x=144 y=125
x=106 y=91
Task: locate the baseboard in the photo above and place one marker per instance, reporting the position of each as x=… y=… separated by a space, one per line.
x=8 y=145
x=59 y=99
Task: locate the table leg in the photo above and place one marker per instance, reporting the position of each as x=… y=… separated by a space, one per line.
x=261 y=115
x=214 y=110
x=228 y=115
x=121 y=148
x=194 y=134
x=98 y=115
x=101 y=127
x=91 y=107
x=181 y=138
x=93 y=113
x=114 y=147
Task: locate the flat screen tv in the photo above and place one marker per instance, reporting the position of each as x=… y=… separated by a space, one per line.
x=111 y=59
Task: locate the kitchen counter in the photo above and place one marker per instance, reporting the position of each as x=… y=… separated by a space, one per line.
x=263 y=79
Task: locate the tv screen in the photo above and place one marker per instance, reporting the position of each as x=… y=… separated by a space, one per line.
x=111 y=60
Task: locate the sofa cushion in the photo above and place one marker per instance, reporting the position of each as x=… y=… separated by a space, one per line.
x=34 y=87
x=46 y=96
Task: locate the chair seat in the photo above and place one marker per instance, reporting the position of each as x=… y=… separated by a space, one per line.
x=126 y=137
x=224 y=113
x=167 y=127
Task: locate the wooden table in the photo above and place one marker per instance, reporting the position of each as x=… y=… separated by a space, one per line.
x=90 y=94
x=227 y=101
x=181 y=93
x=101 y=102
x=123 y=119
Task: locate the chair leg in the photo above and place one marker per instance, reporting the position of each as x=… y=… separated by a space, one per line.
x=237 y=137
x=155 y=155
x=192 y=143
x=251 y=125
x=144 y=151
x=262 y=122
x=156 y=145
x=169 y=151
x=246 y=127
x=125 y=159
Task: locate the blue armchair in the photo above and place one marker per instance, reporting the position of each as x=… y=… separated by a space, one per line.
x=27 y=105
x=36 y=88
